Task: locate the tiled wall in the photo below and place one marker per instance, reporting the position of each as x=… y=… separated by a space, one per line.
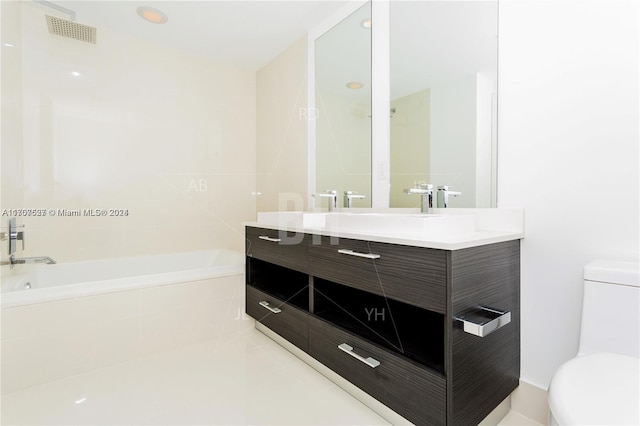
x=281 y=162
x=128 y=124
x=49 y=341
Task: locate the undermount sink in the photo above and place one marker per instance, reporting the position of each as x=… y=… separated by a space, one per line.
x=421 y=226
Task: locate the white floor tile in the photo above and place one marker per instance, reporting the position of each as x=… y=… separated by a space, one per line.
x=242 y=379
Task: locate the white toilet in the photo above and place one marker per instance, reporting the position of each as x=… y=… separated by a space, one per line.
x=601 y=386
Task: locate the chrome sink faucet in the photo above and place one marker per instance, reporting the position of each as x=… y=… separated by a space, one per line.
x=349 y=196
x=332 y=195
x=443 y=196
x=425 y=190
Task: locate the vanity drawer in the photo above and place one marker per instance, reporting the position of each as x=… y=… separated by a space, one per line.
x=290 y=323
x=395 y=382
x=288 y=249
x=413 y=275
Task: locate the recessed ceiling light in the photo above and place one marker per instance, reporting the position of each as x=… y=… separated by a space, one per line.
x=152 y=15
x=76 y=74
x=366 y=23
x=355 y=85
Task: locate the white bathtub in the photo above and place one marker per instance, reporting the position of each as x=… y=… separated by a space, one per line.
x=81 y=316
x=43 y=283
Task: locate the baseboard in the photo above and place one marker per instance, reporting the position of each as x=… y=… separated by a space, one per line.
x=531 y=401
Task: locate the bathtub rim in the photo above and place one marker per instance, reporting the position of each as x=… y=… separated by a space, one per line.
x=17 y=298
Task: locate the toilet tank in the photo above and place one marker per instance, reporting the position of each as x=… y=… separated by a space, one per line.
x=611 y=308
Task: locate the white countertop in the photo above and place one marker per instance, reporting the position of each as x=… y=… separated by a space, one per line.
x=453 y=229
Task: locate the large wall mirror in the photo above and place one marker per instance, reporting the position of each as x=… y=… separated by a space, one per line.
x=443 y=102
x=343 y=105
x=443 y=64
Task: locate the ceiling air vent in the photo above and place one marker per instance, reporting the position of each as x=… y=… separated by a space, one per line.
x=70 y=29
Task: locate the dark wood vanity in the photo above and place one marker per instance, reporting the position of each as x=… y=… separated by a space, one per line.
x=387 y=317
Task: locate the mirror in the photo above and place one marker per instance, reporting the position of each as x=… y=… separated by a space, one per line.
x=343 y=109
x=443 y=64
x=443 y=112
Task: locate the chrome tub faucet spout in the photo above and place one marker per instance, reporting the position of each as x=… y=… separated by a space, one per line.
x=14 y=236
x=35 y=259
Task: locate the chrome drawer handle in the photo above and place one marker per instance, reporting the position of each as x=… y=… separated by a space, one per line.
x=373 y=363
x=355 y=253
x=274 y=240
x=265 y=305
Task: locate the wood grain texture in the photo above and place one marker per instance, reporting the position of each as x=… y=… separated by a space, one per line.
x=478 y=372
x=291 y=323
x=415 y=393
x=413 y=275
x=290 y=252
x=483 y=370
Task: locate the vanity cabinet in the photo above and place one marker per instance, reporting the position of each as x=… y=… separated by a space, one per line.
x=388 y=317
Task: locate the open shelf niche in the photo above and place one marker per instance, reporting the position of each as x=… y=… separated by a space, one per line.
x=286 y=284
x=415 y=333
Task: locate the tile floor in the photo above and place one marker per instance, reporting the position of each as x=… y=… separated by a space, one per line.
x=248 y=380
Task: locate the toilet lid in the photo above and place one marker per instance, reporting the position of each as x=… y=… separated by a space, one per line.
x=597 y=389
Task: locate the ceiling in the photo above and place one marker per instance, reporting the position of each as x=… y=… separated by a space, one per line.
x=431 y=41
x=247 y=34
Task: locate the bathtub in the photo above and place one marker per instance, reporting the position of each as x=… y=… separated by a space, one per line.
x=70 y=318
x=44 y=283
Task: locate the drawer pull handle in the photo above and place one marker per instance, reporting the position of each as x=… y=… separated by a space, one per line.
x=373 y=363
x=355 y=253
x=265 y=305
x=273 y=240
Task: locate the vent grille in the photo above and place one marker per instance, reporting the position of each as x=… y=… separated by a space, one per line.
x=70 y=29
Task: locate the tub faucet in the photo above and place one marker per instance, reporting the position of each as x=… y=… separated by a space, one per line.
x=425 y=190
x=443 y=196
x=23 y=260
x=349 y=196
x=332 y=195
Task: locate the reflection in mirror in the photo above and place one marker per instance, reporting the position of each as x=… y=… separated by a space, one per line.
x=343 y=103
x=443 y=64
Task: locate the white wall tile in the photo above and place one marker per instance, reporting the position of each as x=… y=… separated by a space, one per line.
x=134 y=131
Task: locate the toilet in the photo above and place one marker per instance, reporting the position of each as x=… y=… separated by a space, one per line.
x=601 y=386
